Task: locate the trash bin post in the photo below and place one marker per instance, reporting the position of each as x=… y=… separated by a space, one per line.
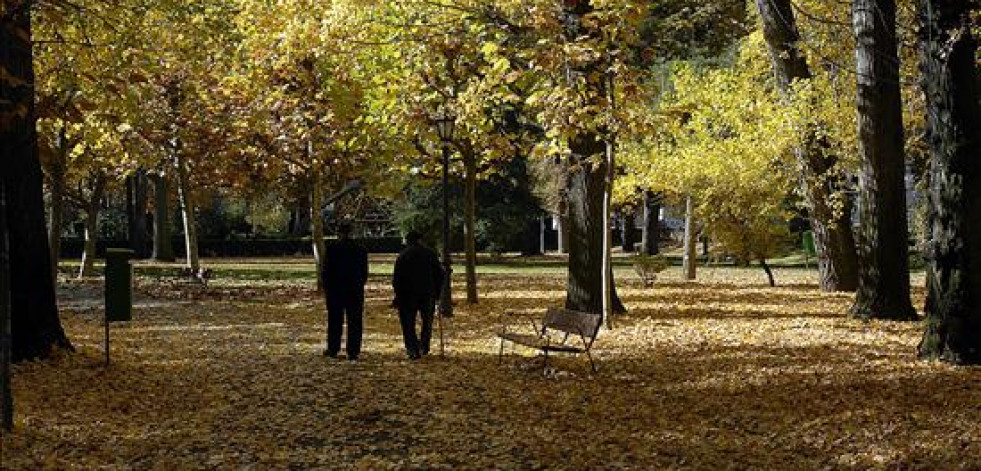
x=118 y=289
x=810 y=250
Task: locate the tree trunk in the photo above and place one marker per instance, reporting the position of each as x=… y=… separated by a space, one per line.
x=188 y=210
x=586 y=188
x=689 y=261
x=562 y=215
x=35 y=325
x=163 y=250
x=586 y=227
x=541 y=234
x=833 y=237
x=6 y=395
x=768 y=271
x=56 y=178
x=136 y=202
x=629 y=233
x=951 y=85
x=649 y=235
x=530 y=245
x=562 y=229
x=300 y=220
x=883 y=285
x=470 y=224
x=317 y=225
x=92 y=227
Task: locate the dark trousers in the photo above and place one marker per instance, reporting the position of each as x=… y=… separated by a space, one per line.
x=408 y=309
x=339 y=308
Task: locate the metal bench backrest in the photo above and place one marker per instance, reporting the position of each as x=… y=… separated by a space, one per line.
x=585 y=324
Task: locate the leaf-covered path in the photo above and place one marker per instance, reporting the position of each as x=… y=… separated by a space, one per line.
x=720 y=374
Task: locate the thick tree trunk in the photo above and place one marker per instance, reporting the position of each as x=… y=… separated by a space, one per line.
x=530 y=245
x=952 y=88
x=163 y=249
x=136 y=202
x=689 y=261
x=188 y=210
x=35 y=324
x=586 y=189
x=649 y=235
x=92 y=227
x=470 y=225
x=317 y=225
x=6 y=395
x=586 y=227
x=883 y=287
x=56 y=179
x=833 y=236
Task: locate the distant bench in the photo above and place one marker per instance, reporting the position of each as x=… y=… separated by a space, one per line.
x=202 y=275
x=576 y=333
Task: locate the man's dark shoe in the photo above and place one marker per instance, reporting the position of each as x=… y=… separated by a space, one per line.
x=329 y=354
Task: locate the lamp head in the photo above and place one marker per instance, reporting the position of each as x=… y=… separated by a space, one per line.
x=445 y=124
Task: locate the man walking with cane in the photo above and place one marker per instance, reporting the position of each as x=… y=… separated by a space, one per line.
x=417 y=280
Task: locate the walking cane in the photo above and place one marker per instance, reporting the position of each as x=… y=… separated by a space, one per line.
x=439 y=325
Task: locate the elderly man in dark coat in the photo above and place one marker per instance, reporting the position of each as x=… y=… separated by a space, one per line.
x=417 y=280
x=345 y=272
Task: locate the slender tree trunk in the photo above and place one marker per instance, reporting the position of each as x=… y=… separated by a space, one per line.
x=56 y=177
x=163 y=250
x=317 y=224
x=769 y=272
x=470 y=224
x=562 y=211
x=649 y=235
x=607 y=268
x=883 y=288
x=6 y=395
x=952 y=87
x=300 y=219
x=35 y=325
x=689 y=261
x=188 y=210
x=92 y=208
x=136 y=196
x=562 y=229
x=541 y=234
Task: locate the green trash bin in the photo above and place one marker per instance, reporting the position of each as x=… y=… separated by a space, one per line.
x=119 y=285
x=808 y=243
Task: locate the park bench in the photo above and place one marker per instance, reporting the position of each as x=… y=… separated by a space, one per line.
x=200 y=276
x=562 y=330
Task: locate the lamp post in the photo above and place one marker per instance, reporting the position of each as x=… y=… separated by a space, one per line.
x=444 y=127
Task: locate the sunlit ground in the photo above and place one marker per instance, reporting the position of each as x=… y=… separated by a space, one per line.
x=723 y=373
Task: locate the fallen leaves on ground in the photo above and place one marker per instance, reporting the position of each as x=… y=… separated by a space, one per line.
x=721 y=374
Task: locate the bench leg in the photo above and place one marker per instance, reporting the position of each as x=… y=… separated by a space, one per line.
x=500 y=353
x=545 y=364
x=591 y=364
